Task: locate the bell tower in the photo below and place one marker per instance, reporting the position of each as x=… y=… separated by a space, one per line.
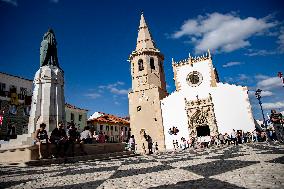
x=148 y=88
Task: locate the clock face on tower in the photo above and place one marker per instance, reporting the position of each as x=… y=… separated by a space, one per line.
x=194 y=79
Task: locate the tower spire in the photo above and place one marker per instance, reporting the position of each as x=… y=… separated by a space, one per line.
x=144 y=39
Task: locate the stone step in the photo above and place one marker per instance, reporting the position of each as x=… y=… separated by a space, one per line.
x=25 y=139
x=97 y=157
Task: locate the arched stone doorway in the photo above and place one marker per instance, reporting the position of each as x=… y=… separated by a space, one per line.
x=201 y=117
x=203 y=130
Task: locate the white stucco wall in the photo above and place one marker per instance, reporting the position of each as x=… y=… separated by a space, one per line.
x=231 y=104
x=202 y=67
x=18 y=82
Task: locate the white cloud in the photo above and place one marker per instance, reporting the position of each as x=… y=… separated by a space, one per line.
x=243 y=77
x=269 y=83
x=114 y=88
x=93 y=95
x=263 y=93
x=266 y=93
x=118 y=91
x=12 y=2
x=112 y=85
x=224 y=32
x=281 y=40
x=116 y=103
x=261 y=77
x=229 y=64
x=273 y=105
x=261 y=52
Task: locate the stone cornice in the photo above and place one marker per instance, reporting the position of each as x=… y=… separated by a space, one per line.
x=148 y=51
x=191 y=60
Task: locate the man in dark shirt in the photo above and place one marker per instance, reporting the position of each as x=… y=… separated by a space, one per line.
x=73 y=137
x=277 y=121
x=59 y=138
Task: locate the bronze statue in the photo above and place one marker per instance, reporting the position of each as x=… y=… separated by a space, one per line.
x=48 y=50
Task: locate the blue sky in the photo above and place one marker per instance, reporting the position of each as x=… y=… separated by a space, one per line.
x=95 y=38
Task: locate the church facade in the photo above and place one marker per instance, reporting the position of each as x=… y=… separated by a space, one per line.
x=200 y=105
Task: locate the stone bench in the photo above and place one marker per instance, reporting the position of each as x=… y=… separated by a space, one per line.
x=27 y=153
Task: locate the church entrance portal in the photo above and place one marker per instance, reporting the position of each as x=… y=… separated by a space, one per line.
x=203 y=130
x=201 y=117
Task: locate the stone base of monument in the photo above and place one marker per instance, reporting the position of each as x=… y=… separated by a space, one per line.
x=29 y=153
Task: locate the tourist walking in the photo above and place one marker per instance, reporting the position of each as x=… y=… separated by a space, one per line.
x=234 y=137
x=150 y=144
x=174 y=144
x=255 y=136
x=40 y=138
x=144 y=148
x=221 y=138
x=156 y=147
x=277 y=121
x=132 y=143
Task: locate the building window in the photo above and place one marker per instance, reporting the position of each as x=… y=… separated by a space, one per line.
x=2 y=89
x=2 y=86
x=115 y=128
x=72 y=117
x=111 y=128
x=107 y=128
x=152 y=63
x=101 y=127
x=80 y=117
x=138 y=108
x=140 y=65
x=125 y=129
x=23 y=93
x=13 y=89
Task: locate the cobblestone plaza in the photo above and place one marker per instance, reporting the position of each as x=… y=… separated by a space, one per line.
x=244 y=166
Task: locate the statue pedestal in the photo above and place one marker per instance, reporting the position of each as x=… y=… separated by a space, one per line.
x=48 y=102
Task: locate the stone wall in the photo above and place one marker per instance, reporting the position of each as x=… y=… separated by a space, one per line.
x=31 y=153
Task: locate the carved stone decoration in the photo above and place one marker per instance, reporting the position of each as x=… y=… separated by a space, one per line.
x=194 y=79
x=200 y=112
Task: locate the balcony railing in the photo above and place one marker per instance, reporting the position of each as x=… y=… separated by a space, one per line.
x=8 y=94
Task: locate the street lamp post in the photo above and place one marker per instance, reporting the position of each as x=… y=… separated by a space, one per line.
x=258 y=96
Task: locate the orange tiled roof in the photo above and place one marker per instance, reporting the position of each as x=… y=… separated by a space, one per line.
x=111 y=119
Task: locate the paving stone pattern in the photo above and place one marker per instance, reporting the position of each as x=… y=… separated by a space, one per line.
x=245 y=166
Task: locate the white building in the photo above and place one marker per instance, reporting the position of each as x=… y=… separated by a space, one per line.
x=15 y=102
x=76 y=115
x=203 y=106
x=116 y=128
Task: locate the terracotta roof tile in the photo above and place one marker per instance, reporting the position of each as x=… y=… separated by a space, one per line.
x=109 y=118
